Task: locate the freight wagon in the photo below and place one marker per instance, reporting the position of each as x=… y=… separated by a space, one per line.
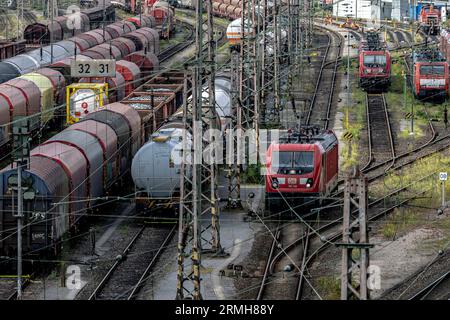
x=36 y=94
x=69 y=172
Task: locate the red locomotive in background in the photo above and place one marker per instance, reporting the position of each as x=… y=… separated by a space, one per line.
x=430 y=74
x=430 y=19
x=374 y=63
x=301 y=166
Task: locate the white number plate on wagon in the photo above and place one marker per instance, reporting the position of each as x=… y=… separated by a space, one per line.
x=93 y=68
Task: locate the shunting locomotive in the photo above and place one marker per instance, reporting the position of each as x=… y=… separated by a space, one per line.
x=430 y=19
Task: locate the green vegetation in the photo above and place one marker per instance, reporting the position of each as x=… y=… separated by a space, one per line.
x=356 y=121
x=330 y=287
x=411 y=177
x=252 y=175
x=399 y=221
x=397 y=100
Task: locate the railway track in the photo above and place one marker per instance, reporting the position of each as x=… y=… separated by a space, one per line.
x=8 y=288
x=313 y=241
x=128 y=274
x=176 y=48
x=322 y=99
x=284 y=258
x=381 y=145
x=438 y=289
x=430 y=282
x=29 y=16
x=327 y=233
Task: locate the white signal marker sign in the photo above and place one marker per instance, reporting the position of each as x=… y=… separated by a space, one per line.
x=443 y=176
x=93 y=68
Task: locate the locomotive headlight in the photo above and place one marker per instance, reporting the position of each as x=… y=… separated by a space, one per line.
x=275 y=183
x=292 y=171
x=309 y=183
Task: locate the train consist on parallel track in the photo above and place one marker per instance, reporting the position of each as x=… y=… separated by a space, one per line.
x=162 y=11
x=35 y=93
x=69 y=173
x=156 y=166
x=69 y=25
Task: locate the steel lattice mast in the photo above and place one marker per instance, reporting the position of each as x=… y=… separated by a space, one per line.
x=198 y=185
x=246 y=95
x=256 y=69
x=355 y=236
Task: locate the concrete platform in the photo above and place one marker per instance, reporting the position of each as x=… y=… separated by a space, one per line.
x=237 y=237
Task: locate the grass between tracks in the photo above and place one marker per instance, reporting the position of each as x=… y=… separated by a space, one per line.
x=401 y=104
x=356 y=118
x=404 y=219
x=329 y=287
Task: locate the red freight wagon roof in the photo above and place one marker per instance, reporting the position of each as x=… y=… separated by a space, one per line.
x=71 y=158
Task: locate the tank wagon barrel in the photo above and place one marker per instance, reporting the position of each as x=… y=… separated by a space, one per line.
x=156 y=166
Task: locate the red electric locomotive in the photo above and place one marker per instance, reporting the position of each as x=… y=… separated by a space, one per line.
x=374 y=63
x=301 y=167
x=430 y=74
x=430 y=19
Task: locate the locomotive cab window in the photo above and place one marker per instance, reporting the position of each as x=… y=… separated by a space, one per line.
x=432 y=70
x=297 y=162
x=370 y=60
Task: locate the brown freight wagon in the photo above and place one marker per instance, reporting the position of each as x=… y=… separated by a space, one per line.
x=10 y=49
x=155 y=103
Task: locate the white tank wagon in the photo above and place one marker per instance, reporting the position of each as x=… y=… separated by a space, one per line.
x=234 y=35
x=156 y=167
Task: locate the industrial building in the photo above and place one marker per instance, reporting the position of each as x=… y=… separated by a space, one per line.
x=401 y=10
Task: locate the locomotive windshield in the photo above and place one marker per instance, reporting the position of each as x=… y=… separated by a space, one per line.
x=374 y=59
x=287 y=162
x=432 y=70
